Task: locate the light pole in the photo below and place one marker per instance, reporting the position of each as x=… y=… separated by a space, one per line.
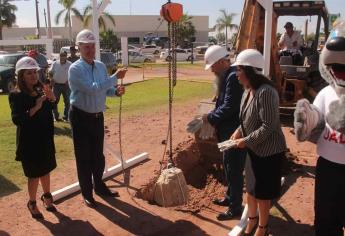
x=50 y=33
x=37 y=20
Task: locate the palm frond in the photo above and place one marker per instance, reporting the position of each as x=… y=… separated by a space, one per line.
x=109 y=17
x=77 y=13
x=67 y=18
x=86 y=20
x=57 y=17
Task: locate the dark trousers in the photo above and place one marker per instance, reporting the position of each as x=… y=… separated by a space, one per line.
x=329 y=198
x=88 y=138
x=234 y=161
x=61 y=89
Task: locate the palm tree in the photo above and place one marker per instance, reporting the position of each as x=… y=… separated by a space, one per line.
x=225 y=22
x=109 y=40
x=7 y=16
x=185 y=30
x=68 y=5
x=101 y=21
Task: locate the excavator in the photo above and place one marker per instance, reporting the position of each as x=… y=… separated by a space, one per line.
x=293 y=81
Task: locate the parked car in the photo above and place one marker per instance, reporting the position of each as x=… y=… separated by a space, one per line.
x=181 y=55
x=201 y=49
x=153 y=49
x=109 y=60
x=7 y=70
x=137 y=57
x=67 y=49
x=133 y=48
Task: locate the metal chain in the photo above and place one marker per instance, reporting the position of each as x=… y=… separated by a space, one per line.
x=174 y=61
x=172 y=77
x=171 y=56
x=120 y=135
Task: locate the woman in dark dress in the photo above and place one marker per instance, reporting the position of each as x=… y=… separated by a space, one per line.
x=261 y=134
x=31 y=110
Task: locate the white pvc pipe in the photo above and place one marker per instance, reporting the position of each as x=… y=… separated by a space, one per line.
x=70 y=189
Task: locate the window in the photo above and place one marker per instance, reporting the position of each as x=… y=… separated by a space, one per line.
x=134 y=40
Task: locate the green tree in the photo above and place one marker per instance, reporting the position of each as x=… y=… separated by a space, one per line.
x=185 y=30
x=220 y=36
x=87 y=16
x=224 y=22
x=7 y=16
x=69 y=9
x=109 y=40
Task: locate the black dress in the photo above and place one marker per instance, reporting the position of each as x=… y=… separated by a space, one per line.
x=35 y=135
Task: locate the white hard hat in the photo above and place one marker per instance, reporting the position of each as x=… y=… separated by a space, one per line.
x=333 y=53
x=214 y=54
x=250 y=57
x=85 y=36
x=26 y=63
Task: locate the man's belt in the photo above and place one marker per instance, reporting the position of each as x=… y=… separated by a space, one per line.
x=87 y=114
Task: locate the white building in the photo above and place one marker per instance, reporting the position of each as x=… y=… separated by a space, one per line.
x=135 y=27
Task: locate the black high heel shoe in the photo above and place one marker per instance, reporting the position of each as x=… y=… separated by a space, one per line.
x=254 y=228
x=44 y=198
x=31 y=206
x=265 y=227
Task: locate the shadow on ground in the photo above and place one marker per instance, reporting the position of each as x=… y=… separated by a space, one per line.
x=67 y=226
x=139 y=222
x=7 y=187
x=63 y=131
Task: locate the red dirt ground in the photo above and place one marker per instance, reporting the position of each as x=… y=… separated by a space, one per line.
x=130 y=215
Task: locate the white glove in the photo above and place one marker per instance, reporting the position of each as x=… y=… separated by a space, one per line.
x=195 y=125
x=207 y=131
x=307 y=117
x=336 y=115
x=228 y=144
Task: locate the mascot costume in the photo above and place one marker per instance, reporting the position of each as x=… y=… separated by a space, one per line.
x=323 y=123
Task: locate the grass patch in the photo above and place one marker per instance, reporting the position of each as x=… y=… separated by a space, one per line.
x=188 y=65
x=139 y=98
x=153 y=94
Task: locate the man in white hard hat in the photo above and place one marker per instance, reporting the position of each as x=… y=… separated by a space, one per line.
x=90 y=84
x=225 y=119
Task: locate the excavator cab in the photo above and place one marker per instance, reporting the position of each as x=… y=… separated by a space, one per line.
x=303 y=74
x=294 y=80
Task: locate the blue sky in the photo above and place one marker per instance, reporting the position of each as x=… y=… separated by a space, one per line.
x=26 y=9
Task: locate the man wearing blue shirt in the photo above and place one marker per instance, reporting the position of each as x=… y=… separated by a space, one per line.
x=90 y=85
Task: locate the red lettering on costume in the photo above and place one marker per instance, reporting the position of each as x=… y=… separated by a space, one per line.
x=341 y=139
x=326 y=136
x=333 y=137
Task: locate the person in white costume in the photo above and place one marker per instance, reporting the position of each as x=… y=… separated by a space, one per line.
x=323 y=122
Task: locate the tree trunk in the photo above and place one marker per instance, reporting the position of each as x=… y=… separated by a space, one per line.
x=70 y=26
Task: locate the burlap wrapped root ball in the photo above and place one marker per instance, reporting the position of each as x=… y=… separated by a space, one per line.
x=171 y=188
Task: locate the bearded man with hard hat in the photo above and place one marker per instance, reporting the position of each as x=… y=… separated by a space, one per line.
x=225 y=119
x=90 y=85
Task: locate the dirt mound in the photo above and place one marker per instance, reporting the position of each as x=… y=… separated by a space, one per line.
x=204 y=178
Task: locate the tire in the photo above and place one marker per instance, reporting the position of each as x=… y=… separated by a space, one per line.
x=189 y=58
x=168 y=58
x=147 y=60
x=156 y=52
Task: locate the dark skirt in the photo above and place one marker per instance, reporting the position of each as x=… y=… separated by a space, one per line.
x=263 y=175
x=38 y=167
